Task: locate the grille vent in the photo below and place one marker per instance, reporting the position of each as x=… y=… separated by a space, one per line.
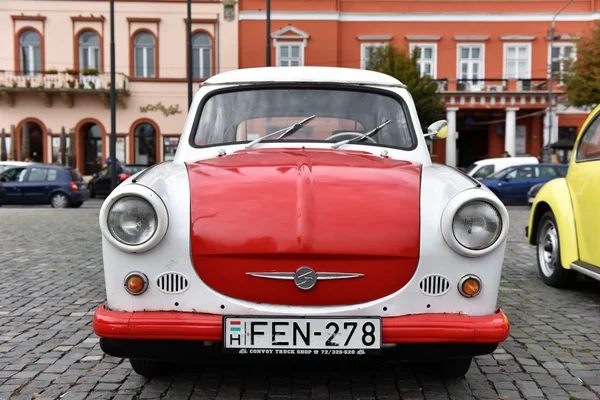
x=172 y=283
x=434 y=285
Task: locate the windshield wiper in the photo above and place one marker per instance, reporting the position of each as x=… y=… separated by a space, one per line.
x=362 y=136
x=286 y=132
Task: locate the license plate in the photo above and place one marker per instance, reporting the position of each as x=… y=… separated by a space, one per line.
x=320 y=335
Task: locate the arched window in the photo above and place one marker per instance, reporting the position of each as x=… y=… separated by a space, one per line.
x=144 y=55
x=201 y=56
x=89 y=50
x=145 y=144
x=31 y=59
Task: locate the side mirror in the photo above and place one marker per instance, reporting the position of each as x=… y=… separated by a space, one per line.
x=94 y=175
x=507 y=178
x=438 y=130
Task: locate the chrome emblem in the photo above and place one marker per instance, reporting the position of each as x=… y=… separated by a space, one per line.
x=305 y=278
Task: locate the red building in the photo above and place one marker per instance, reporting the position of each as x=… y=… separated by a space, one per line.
x=491 y=59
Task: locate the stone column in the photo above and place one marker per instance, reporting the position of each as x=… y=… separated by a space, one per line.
x=510 y=133
x=451 y=139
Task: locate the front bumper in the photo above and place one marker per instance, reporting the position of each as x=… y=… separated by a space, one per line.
x=138 y=334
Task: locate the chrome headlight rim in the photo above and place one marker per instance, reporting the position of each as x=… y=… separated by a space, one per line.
x=146 y=194
x=456 y=204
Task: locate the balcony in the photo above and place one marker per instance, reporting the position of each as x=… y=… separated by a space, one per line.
x=494 y=85
x=66 y=85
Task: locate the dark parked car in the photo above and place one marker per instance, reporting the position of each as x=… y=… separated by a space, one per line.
x=512 y=184
x=100 y=183
x=58 y=186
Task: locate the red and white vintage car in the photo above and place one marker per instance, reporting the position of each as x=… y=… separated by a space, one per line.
x=302 y=215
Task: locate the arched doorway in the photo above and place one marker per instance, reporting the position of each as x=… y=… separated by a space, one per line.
x=144 y=147
x=36 y=134
x=92 y=149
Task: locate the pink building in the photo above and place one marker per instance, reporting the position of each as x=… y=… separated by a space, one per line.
x=55 y=71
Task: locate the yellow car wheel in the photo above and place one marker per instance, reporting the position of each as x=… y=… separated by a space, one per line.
x=548 y=254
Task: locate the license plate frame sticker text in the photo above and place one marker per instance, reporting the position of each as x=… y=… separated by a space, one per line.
x=296 y=335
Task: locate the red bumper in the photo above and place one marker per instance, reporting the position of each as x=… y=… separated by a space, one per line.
x=420 y=328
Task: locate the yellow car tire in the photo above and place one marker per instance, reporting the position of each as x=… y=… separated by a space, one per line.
x=548 y=254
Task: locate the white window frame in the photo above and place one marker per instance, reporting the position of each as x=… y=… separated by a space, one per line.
x=505 y=59
x=363 y=51
x=481 y=46
x=561 y=45
x=421 y=61
x=280 y=44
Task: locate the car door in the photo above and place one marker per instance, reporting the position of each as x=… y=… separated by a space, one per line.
x=583 y=179
x=102 y=184
x=12 y=181
x=517 y=183
x=35 y=189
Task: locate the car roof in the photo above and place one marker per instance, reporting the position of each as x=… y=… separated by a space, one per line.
x=303 y=74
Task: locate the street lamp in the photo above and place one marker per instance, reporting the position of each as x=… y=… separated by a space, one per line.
x=550 y=112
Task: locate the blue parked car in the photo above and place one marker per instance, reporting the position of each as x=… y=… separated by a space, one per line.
x=512 y=184
x=58 y=186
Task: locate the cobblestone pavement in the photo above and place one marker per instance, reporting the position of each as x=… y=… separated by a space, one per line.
x=51 y=281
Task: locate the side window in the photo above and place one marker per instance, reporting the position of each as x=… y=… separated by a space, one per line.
x=525 y=173
x=102 y=173
x=547 y=172
x=52 y=175
x=562 y=171
x=37 y=175
x=484 y=171
x=589 y=146
x=512 y=174
x=12 y=175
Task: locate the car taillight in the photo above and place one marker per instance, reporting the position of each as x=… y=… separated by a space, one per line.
x=74 y=187
x=122 y=177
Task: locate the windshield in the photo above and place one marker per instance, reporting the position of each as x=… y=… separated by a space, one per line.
x=471 y=168
x=246 y=115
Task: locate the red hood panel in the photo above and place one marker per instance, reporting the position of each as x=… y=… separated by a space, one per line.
x=275 y=210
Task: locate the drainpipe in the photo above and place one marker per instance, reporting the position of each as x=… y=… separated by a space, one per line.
x=551 y=99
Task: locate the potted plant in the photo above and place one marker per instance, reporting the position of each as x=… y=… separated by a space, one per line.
x=27 y=83
x=14 y=84
x=81 y=85
x=52 y=71
x=89 y=72
x=92 y=84
x=71 y=84
x=72 y=72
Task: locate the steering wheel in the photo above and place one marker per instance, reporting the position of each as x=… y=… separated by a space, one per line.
x=351 y=134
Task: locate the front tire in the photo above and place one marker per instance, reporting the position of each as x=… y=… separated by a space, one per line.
x=60 y=200
x=149 y=368
x=548 y=254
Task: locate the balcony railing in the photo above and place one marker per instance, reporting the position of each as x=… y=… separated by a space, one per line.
x=62 y=80
x=496 y=85
x=67 y=84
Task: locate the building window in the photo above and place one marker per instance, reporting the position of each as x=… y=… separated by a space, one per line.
x=366 y=53
x=470 y=64
x=145 y=144
x=562 y=55
x=521 y=140
x=290 y=54
x=170 y=147
x=121 y=148
x=89 y=50
x=426 y=58
x=201 y=56
x=517 y=61
x=144 y=55
x=31 y=59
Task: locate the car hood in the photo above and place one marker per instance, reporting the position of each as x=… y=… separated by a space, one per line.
x=275 y=210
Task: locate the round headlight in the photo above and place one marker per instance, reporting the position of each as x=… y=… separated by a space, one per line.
x=132 y=220
x=477 y=225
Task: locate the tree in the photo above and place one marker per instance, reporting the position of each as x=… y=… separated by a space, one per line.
x=400 y=65
x=25 y=141
x=3 y=155
x=583 y=80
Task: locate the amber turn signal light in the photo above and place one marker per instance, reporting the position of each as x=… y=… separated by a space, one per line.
x=136 y=283
x=469 y=286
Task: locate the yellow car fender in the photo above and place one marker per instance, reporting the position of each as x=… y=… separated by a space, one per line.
x=554 y=196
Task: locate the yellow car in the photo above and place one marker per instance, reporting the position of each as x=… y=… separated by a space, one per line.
x=565 y=217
